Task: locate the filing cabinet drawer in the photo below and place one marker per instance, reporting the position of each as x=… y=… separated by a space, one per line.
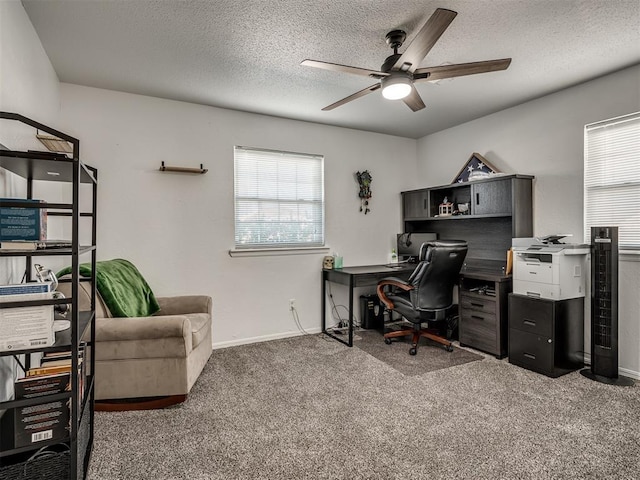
x=478 y=330
x=480 y=303
x=531 y=351
x=531 y=315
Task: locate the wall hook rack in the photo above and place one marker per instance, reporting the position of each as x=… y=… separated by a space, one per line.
x=166 y=168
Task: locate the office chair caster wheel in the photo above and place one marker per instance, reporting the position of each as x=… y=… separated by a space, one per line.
x=387 y=341
x=413 y=351
x=449 y=348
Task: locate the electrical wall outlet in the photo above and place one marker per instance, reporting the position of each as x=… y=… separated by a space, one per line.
x=292 y=304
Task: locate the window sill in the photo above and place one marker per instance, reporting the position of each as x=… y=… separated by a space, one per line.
x=267 y=252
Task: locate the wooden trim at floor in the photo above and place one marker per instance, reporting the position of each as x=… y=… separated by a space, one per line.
x=144 y=403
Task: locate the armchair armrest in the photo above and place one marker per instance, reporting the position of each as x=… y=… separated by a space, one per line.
x=392 y=282
x=143 y=328
x=183 y=304
x=143 y=337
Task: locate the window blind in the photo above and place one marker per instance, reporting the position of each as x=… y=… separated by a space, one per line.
x=612 y=178
x=279 y=199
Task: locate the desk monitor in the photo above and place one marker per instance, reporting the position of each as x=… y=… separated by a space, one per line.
x=409 y=244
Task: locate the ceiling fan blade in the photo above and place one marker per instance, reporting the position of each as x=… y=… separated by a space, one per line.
x=461 y=69
x=348 y=99
x=413 y=100
x=343 y=68
x=424 y=40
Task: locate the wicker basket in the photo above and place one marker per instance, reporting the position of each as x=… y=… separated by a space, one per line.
x=52 y=467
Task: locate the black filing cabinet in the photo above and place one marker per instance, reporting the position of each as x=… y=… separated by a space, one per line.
x=546 y=336
x=483 y=311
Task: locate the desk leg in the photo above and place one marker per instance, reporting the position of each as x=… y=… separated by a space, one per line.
x=324 y=303
x=351 y=311
x=324 y=312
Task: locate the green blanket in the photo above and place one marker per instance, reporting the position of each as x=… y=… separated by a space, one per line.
x=123 y=289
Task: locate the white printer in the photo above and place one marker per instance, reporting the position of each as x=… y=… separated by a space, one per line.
x=546 y=268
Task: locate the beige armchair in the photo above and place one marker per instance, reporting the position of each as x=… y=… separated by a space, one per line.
x=148 y=362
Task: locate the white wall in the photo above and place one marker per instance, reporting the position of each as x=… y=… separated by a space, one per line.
x=178 y=228
x=28 y=83
x=29 y=86
x=544 y=138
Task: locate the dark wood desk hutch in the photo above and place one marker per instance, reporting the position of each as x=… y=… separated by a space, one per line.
x=61 y=453
x=499 y=209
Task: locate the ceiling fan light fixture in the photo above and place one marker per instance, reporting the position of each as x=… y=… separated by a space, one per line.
x=396 y=87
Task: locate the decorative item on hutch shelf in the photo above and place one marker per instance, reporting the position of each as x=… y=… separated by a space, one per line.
x=364 y=180
x=475 y=168
x=445 y=209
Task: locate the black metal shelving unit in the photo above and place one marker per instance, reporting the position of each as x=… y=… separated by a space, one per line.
x=71 y=454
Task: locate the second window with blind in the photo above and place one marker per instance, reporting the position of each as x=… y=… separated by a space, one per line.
x=612 y=178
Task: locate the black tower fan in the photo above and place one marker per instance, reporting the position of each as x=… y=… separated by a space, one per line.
x=604 y=308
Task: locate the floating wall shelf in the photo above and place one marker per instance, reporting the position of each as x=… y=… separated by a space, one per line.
x=165 y=168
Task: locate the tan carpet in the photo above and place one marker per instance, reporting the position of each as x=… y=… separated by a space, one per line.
x=311 y=408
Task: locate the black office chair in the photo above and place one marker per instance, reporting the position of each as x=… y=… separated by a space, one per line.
x=427 y=296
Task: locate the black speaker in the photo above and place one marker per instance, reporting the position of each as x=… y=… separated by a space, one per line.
x=604 y=308
x=371 y=312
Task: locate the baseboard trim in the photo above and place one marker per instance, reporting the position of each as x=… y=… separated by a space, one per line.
x=625 y=372
x=264 y=338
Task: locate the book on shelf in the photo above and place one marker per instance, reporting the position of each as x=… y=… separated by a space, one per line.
x=60 y=363
x=22 y=223
x=44 y=421
x=31 y=387
x=49 y=369
x=26 y=327
x=25 y=288
x=55 y=362
x=49 y=357
x=31 y=245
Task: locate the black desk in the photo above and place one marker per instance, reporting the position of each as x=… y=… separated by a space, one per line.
x=363 y=276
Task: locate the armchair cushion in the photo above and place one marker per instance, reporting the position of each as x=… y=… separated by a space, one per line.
x=124 y=290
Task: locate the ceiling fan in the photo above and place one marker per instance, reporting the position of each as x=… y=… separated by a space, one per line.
x=399 y=72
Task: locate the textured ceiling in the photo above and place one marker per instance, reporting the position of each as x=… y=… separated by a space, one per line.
x=246 y=54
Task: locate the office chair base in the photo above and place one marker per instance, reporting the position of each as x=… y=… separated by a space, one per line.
x=416 y=335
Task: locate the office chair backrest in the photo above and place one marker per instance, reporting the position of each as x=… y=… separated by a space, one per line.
x=436 y=274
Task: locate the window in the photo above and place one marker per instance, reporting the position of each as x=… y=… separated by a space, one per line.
x=612 y=178
x=279 y=199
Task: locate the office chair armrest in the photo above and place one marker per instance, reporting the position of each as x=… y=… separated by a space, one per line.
x=392 y=282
